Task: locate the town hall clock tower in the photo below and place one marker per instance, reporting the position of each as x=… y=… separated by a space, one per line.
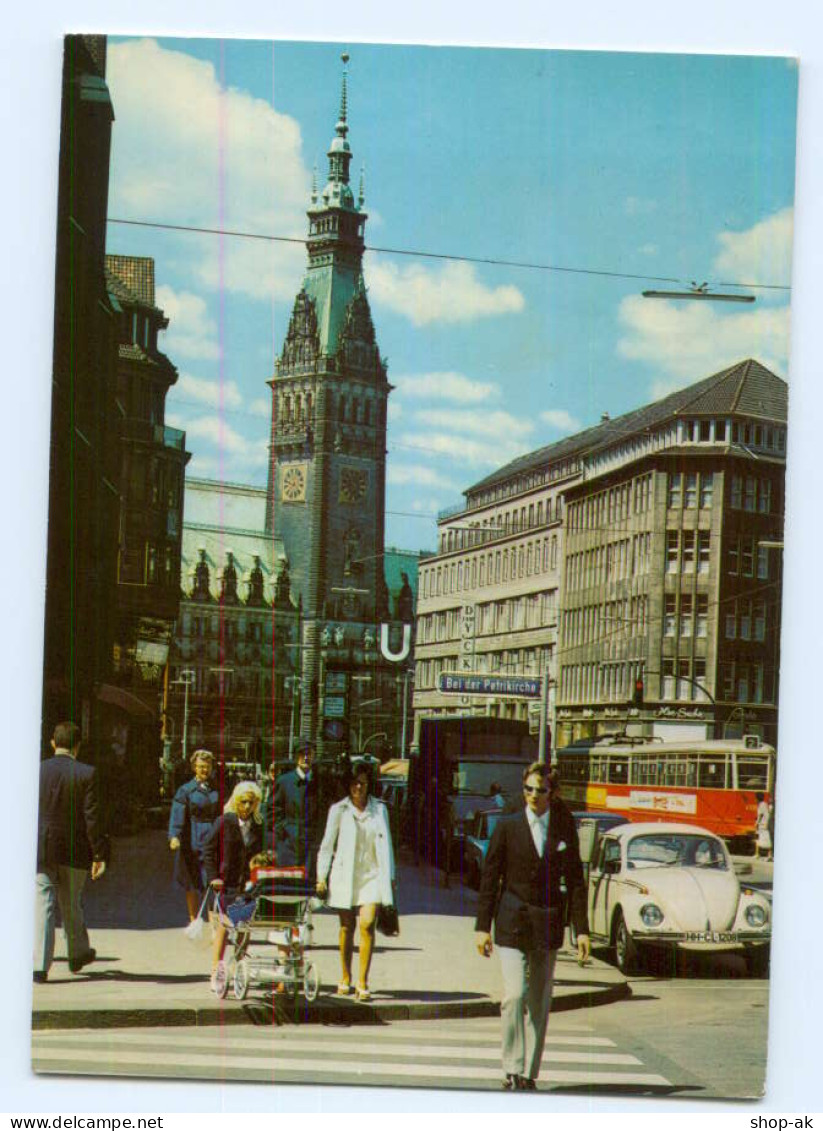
x=328 y=444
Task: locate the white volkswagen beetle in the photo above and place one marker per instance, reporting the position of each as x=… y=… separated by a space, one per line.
x=673 y=885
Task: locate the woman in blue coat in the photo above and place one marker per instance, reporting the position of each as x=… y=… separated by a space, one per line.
x=193 y=812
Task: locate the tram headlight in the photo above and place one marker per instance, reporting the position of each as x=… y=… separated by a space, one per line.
x=755 y=915
x=651 y=915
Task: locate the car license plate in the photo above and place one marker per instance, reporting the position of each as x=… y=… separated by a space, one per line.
x=711 y=936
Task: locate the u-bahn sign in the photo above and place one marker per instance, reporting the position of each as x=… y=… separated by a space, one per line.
x=517 y=686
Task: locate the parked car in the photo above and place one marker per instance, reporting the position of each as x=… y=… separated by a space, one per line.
x=604 y=821
x=674 y=886
x=472 y=844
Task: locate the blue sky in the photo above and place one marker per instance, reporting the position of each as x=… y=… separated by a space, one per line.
x=654 y=165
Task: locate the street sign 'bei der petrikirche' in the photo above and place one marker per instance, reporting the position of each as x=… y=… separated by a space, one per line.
x=520 y=686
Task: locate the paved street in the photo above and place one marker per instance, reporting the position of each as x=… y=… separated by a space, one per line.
x=448 y=1054
x=144 y=1008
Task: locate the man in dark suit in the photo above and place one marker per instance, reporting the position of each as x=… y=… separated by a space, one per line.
x=292 y=814
x=520 y=891
x=69 y=844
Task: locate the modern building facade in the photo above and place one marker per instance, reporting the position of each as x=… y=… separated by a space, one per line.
x=328 y=470
x=666 y=570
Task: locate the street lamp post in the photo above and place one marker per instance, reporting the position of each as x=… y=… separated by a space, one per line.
x=186 y=678
x=408 y=676
x=293 y=682
x=360 y=706
x=365 y=743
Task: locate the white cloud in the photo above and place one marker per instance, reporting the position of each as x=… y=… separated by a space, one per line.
x=185 y=151
x=261 y=406
x=191 y=333
x=214 y=430
x=447 y=387
x=560 y=419
x=394 y=410
x=448 y=293
x=480 y=422
x=761 y=254
x=216 y=394
x=692 y=339
x=461 y=449
x=649 y=249
x=418 y=475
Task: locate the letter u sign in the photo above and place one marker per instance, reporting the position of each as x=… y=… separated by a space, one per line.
x=395 y=657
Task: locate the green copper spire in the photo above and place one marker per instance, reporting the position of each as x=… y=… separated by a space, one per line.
x=337 y=192
x=336 y=236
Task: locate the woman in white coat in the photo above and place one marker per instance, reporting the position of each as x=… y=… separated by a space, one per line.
x=355 y=866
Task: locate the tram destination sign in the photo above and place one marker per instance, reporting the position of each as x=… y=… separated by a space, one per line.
x=518 y=686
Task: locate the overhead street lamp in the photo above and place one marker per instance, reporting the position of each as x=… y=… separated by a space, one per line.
x=360 y=706
x=295 y=684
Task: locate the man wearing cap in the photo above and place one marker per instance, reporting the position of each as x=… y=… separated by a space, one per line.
x=520 y=891
x=292 y=815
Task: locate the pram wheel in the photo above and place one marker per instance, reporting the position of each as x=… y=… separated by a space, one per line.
x=221 y=979
x=241 y=979
x=311 y=982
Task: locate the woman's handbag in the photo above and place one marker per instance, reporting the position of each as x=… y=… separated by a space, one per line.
x=388 y=922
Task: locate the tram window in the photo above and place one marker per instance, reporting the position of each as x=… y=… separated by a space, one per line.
x=678 y=771
x=618 y=771
x=644 y=771
x=598 y=768
x=752 y=773
x=712 y=771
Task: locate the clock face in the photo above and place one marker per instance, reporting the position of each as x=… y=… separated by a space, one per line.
x=293 y=484
x=353 y=484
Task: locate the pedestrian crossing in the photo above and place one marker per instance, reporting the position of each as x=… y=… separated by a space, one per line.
x=461 y=1053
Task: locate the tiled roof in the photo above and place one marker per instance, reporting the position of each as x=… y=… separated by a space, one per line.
x=746 y=388
x=131 y=277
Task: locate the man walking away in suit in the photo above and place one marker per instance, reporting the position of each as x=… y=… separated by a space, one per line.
x=520 y=891
x=69 y=844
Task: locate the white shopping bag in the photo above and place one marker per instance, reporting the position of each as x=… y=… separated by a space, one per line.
x=197 y=931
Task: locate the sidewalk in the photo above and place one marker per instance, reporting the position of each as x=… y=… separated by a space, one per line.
x=155 y=976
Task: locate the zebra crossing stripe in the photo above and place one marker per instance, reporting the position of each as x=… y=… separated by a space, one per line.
x=311 y=1069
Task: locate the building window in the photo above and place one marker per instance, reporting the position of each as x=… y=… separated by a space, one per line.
x=705 y=431
x=760 y=620
x=700 y=678
x=734 y=559
x=703 y=551
x=686 y=612
x=745 y=620
x=706 y=489
x=720 y=431
x=669 y=615
x=764 y=496
x=731 y=623
x=702 y=615
x=747 y=558
x=750 y=493
x=690 y=495
x=762 y=563
x=687 y=564
x=668 y=679
x=672 y=545
x=675 y=487
x=684 y=686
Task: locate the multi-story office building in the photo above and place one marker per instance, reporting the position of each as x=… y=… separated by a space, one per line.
x=668 y=523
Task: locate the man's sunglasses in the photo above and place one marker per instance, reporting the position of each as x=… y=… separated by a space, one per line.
x=535 y=789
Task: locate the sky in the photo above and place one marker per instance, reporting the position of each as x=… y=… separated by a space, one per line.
x=647 y=165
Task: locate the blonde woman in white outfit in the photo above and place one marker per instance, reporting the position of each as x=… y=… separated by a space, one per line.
x=357 y=851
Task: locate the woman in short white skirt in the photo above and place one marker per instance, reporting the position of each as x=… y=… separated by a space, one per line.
x=355 y=866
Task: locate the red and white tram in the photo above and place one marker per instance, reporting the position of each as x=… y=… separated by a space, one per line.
x=712 y=783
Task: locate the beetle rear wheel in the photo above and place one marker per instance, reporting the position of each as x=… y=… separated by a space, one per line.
x=625 y=949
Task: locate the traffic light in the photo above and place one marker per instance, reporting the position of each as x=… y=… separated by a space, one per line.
x=638 y=693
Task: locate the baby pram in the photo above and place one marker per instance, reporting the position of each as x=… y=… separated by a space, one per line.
x=269 y=927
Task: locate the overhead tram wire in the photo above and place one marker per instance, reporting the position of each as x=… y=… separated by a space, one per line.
x=419 y=254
